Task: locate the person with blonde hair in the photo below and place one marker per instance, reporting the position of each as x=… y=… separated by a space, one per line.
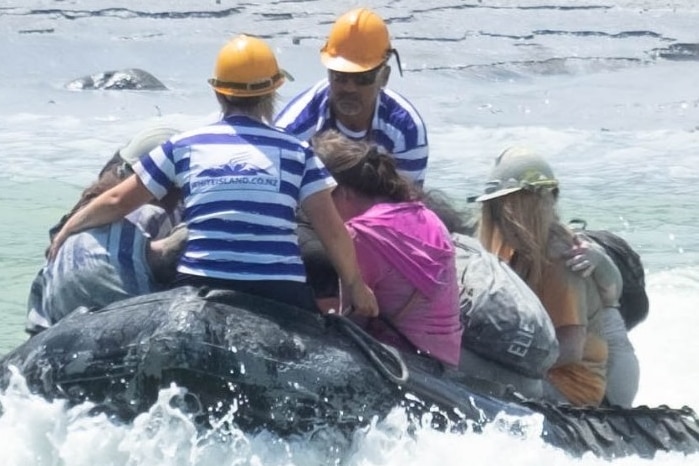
x=404 y=251
x=354 y=98
x=520 y=224
x=242 y=181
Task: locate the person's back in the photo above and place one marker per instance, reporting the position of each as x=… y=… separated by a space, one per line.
x=354 y=99
x=239 y=199
x=93 y=268
x=407 y=259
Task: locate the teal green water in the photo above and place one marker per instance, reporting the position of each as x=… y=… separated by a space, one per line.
x=27 y=210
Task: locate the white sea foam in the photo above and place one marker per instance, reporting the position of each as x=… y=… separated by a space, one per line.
x=36 y=432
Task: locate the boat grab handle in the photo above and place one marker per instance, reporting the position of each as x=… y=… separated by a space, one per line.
x=376 y=351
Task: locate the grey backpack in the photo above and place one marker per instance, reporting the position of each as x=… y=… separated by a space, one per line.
x=503 y=319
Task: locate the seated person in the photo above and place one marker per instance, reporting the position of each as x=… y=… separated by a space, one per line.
x=98 y=266
x=589 y=259
x=404 y=251
x=354 y=98
x=242 y=181
x=520 y=224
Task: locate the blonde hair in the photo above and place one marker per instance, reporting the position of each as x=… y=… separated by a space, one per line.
x=259 y=107
x=520 y=227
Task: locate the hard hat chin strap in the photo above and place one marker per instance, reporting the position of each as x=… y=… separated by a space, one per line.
x=268 y=83
x=394 y=52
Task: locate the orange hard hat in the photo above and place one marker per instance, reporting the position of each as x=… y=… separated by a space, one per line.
x=247 y=67
x=358 y=42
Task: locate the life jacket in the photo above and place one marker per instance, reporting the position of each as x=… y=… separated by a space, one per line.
x=633 y=303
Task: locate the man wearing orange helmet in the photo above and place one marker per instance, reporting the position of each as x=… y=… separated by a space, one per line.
x=354 y=99
x=241 y=182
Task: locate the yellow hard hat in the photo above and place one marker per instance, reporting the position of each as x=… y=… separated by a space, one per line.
x=247 y=67
x=358 y=42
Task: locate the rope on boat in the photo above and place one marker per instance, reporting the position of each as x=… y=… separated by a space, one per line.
x=378 y=353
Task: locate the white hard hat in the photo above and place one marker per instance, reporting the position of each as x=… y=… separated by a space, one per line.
x=144 y=142
x=518 y=168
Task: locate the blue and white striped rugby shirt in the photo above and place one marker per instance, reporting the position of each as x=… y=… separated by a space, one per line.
x=96 y=267
x=397 y=126
x=241 y=183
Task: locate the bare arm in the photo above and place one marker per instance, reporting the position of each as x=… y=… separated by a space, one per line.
x=108 y=207
x=332 y=233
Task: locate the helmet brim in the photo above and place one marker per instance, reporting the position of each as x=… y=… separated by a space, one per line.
x=241 y=92
x=498 y=193
x=144 y=142
x=337 y=63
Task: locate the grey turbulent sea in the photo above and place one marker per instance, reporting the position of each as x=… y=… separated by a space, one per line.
x=607 y=90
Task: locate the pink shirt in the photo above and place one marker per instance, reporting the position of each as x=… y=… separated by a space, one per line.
x=407 y=258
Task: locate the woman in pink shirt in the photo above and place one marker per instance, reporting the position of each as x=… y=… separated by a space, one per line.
x=404 y=251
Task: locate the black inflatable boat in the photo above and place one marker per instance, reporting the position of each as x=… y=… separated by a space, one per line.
x=290 y=371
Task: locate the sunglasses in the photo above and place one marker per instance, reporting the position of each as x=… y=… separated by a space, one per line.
x=365 y=78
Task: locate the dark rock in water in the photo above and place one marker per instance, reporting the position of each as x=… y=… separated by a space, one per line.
x=128 y=79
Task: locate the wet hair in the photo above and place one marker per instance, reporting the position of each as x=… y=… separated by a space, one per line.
x=260 y=107
x=363 y=167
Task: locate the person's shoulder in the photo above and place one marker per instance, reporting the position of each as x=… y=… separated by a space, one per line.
x=193 y=135
x=396 y=112
x=313 y=97
x=284 y=140
x=352 y=230
x=320 y=88
x=560 y=241
x=302 y=114
x=396 y=101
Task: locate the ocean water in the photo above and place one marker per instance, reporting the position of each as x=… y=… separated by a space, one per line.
x=605 y=89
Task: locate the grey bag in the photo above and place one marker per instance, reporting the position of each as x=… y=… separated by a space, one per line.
x=503 y=319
